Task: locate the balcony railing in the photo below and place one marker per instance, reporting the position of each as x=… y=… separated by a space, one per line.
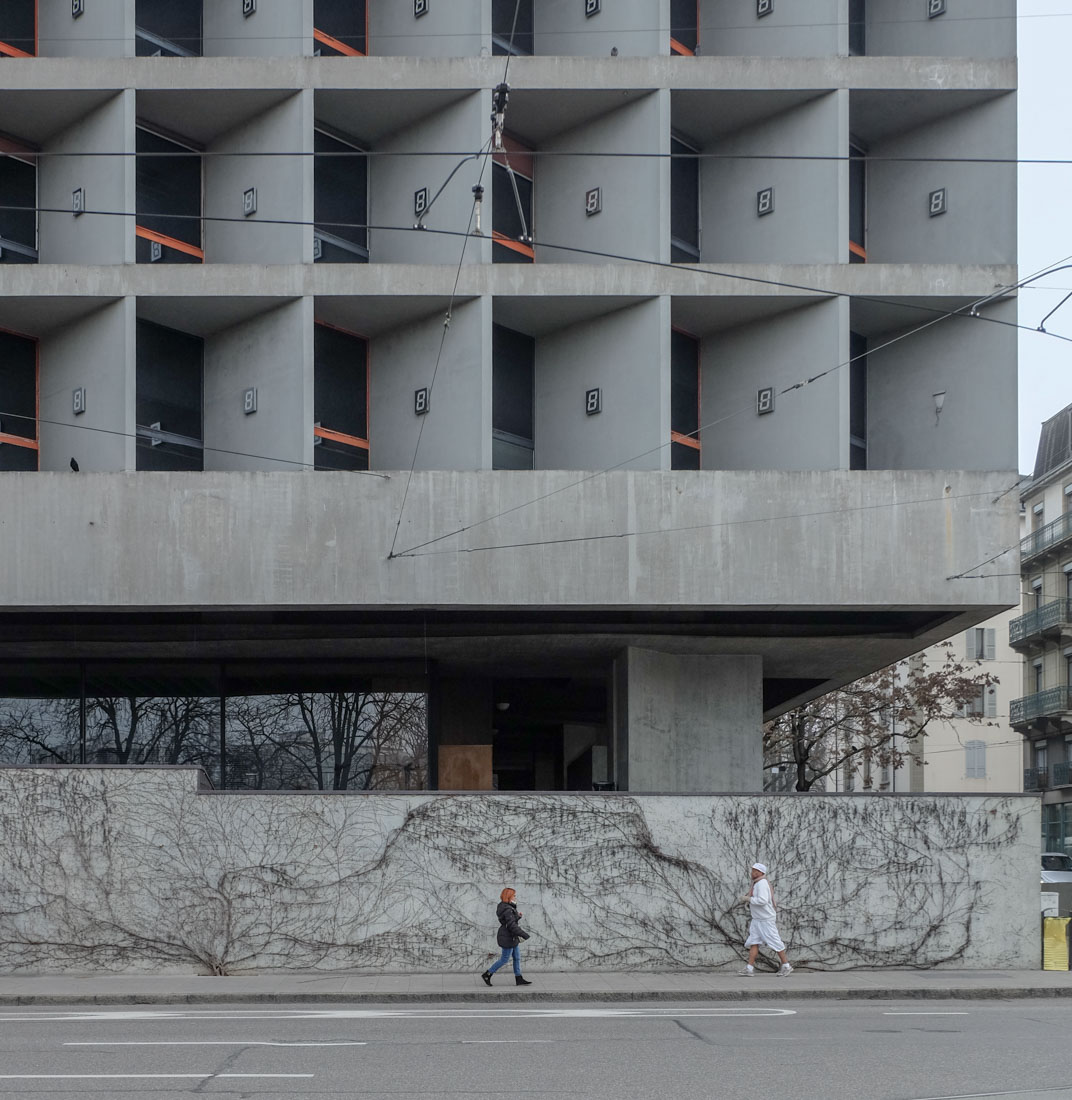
x=1047 y=617
x=1059 y=774
x=1036 y=779
x=1043 y=704
x=1046 y=538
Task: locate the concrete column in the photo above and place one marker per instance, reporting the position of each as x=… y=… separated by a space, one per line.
x=107 y=184
x=688 y=723
x=102 y=30
x=278 y=231
x=457 y=432
x=97 y=353
x=273 y=354
x=277 y=28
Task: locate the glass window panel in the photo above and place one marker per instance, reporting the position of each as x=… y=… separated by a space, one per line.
x=507 y=454
x=40 y=729
x=858 y=387
x=343 y=20
x=328 y=740
x=168 y=188
x=684 y=383
x=509 y=36
x=857 y=195
x=513 y=373
x=684 y=202
x=18 y=188
x=168 y=255
x=340 y=201
x=18 y=386
x=17 y=19
x=15 y=459
x=857 y=28
x=340 y=382
x=336 y=252
x=175 y=21
x=683 y=22
x=332 y=455
x=507 y=218
x=169 y=380
x=500 y=254
x=167 y=456
x=683 y=457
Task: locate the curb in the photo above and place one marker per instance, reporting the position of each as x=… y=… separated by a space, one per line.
x=1003 y=993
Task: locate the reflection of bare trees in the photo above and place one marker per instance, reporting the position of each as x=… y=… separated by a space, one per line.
x=38 y=731
x=300 y=740
x=339 y=740
x=152 y=731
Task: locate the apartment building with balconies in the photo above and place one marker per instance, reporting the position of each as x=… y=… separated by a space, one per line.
x=1042 y=634
x=612 y=430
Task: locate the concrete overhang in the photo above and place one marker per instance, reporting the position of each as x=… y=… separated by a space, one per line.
x=903 y=283
x=418 y=74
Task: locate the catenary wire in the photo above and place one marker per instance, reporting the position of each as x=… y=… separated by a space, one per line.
x=486 y=150
x=818 y=291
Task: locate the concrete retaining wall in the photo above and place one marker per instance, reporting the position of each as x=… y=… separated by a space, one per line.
x=136 y=869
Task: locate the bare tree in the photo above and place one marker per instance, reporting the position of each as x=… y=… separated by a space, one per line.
x=875 y=722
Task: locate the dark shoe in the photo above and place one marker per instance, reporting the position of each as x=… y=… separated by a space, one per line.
x=518 y=980
x=487 y=977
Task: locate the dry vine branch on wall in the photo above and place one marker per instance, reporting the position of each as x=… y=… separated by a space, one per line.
x=114 y=869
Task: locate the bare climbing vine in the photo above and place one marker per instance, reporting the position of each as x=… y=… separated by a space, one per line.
x=116 y=869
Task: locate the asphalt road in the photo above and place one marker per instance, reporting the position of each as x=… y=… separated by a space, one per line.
x=884 y=1050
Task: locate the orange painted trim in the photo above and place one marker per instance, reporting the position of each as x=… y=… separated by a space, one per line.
x=342 y=437
x=679 y=48
x=170 y=242
x=19 y=441
x=509 y=242
x=13 y=51
x=686 y=440
x=857 y=250
x=335 y=44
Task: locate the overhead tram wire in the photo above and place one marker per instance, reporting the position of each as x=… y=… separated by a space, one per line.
x=818 y=292
x=973 y=307
x=500 y=98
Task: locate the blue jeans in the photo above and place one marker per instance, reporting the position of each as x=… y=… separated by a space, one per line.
x=508 y=953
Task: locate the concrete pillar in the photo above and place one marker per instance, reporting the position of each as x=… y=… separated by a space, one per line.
x=687 y=722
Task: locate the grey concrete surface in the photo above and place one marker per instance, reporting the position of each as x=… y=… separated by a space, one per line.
x=885 y=1050
x=603 y=985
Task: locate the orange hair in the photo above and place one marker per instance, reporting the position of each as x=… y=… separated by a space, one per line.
x=508 y=894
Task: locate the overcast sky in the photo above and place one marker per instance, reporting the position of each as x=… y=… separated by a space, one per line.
x=1045 y=50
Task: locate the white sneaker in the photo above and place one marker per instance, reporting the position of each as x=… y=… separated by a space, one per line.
x=785 y=971
x=747 y=972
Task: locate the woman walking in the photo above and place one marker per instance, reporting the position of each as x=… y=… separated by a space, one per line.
x=509 y=937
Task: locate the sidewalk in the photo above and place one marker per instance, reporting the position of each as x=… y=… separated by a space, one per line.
x=412 y=989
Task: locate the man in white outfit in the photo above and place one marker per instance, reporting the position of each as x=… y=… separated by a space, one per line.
x=763 y=929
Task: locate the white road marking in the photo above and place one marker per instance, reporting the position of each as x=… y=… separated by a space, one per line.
x=137 y=1076
x=212 y=1043
x=924 y=1013
x=409 y=1014
x=479 y=1042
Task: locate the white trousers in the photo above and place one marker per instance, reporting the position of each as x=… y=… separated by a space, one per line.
x=764 y=932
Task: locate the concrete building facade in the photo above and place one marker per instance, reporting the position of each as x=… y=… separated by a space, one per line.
x=1042 y=634
x=675 y=426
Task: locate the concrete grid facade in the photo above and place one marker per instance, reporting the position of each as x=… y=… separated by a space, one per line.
x=605 y=506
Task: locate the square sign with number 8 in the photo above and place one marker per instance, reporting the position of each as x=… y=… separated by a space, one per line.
x=591 y=7
x=593 y=201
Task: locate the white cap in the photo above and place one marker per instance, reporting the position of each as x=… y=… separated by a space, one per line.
x=759 y=867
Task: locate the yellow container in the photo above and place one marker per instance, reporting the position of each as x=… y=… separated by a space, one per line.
x=1055 y=943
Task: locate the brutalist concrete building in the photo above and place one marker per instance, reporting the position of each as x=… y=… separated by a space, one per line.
x=680 y=392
